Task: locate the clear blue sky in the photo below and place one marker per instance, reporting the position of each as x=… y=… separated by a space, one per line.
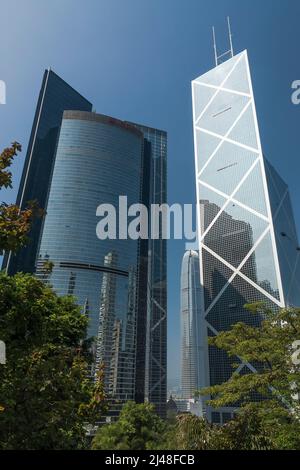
x=134 y=59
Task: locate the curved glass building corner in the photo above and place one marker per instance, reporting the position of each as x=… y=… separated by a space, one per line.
x=98 y=158
x=190 y=325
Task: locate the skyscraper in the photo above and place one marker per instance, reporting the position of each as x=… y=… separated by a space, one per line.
x=99 y=158
x=191 y=337
x=55 y=97
x=118 y=158
x=248 y=243
x=152 y=362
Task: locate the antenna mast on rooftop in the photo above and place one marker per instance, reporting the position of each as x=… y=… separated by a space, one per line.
x=227 y=53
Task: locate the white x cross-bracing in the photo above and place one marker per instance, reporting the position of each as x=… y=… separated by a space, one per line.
x=269 y=230
x=218 y=88
x=225 y=138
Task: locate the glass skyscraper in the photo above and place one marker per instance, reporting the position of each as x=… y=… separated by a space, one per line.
x=55 y=96
x=115 y=281
x=248 y=243
x=88 y=159
x=97 y=160
x=190 y=319
x=152 y=362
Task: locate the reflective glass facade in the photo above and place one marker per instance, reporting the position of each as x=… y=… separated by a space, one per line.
x=55 y=97
x=151 y=380
x=286 y=236
x=116 y=282
x=247 y=237
x=98 y=158
x=190 y=319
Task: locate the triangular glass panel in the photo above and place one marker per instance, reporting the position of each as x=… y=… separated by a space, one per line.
x=244 y=131
x=292 y=294
x=221 y=366
x=222 y=112
x=210 y=205
x=230 y=307
x=284 y=224
x=287 y=244
x=252 y=192
x=280 y=204
x=218 y=74
x=274 y=197
x=227 y=167
x=210 y=332
x=278 y=183
x=260 y=267
x=202 y=96
x=215 y=275
x=238 y=80
x=234 y=233
x=288 y=210
x=206 y=145
x=285 y=263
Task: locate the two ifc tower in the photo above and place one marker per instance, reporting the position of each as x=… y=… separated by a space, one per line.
x=248 y=244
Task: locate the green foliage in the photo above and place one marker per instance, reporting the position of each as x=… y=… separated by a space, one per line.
x=6 y=160
x=193 y=433
x=269 y=347
x=46 y=395
x=47 y=267
x=14 y=222
x=137 y=428
x=272 y=423
x=245 y=432
x=255 y=427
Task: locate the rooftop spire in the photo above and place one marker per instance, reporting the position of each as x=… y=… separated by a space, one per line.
x=227 y=53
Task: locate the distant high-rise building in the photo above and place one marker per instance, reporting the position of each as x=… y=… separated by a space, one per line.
x=119 y=283
x=248 y=244
x=190 y=316
x=55 y=97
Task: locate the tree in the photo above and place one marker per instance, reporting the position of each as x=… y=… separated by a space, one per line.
x=14 y=223
x=270 y=347
x=46 y=394
x=245 y=432
x=138 y=428
x=193 y=433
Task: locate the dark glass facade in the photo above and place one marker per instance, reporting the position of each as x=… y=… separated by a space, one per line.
x=120 y=284
x=151 y=370
x=97 y=159
x=116 y=282
x=55 y=97
x=286 y=235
